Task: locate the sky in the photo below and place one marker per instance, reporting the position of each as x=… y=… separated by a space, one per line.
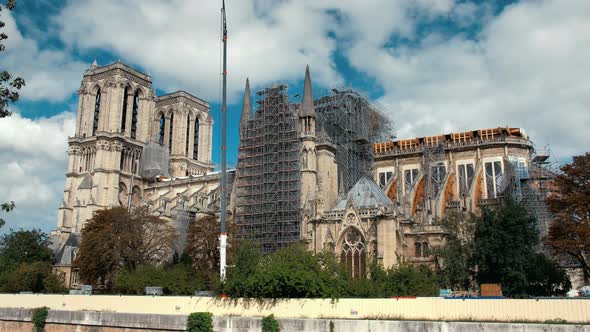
x=433 y=66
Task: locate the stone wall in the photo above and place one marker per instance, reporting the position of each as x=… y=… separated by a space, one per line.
x=17 y=320
x=430 y=309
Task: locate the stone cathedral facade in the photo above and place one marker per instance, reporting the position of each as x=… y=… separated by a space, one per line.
x=133 y=147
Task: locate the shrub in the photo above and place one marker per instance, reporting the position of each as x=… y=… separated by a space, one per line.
x=331 y=326
x=292 y=272
x=270 y=324
x=178 y=280
x=200 y=322
x=34 y=277
x=39 y=318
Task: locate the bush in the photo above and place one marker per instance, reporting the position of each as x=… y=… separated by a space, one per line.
x=34 y=277
x=39 y=317
x=292 y=272
x=200 y=322
x=270 y=324
x=179 y=280
x=403 y=280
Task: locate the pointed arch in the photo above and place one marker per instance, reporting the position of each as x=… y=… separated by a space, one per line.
x=124 y=109
x=196 y=139
x=188 y=134
x=97 y=101
x=135 y=113
x=171 y=132
x=353 y=252
x=162 y=128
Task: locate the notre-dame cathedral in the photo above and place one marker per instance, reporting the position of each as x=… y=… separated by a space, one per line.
x=314 y=171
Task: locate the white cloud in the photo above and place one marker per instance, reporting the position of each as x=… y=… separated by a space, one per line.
x=179 y=41
x=50 y=74
x=528 y=68
x=33 y=160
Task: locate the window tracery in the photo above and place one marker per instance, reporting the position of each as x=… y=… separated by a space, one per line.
x=354 y=253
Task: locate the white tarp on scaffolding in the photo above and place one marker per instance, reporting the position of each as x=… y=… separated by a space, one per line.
x=154 y=161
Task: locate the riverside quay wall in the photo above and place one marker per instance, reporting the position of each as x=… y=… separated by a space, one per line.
x=430 y=309
x=17 y=320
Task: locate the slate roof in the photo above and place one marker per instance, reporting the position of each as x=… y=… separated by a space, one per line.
x=364 y=194
x=65 y=254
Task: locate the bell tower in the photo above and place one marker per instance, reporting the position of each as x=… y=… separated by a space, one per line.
x=115 y=103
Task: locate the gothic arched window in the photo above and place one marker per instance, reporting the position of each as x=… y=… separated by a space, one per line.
x=134 y=115
x=96 y=113
x=124 y=110
x=354 y=253
x=162 y=129
x=418 y=248
x=188 y=133
x=171 y=132
x=196 y=140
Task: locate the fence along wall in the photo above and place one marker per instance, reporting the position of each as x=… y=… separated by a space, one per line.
x=571 y=310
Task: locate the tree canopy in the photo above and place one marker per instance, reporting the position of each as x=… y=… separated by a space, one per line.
x=114 y=240
x=202 y=243
x=505 y=251
x=21 y=247
x=569 y=234
x=455 y=259
x=25 y=263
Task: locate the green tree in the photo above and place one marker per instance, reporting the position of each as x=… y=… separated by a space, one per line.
x=202 y=246
x=31 y=277
x=9 y=85
x=245 y=261
x=455 y=264
x=403 y=280
x=114 y=240
x=569 y=234
x=505 y=241
x=546 y=278
x=291 y=272
x=18 y=247
x=177 y=280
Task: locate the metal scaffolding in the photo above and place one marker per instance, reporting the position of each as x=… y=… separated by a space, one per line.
x=268 y=207
x=530 y=185
x=268 y=187
x=352 y=123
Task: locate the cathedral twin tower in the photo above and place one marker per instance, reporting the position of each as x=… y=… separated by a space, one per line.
x=119 y=119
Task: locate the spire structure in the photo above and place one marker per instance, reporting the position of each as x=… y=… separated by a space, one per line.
x=307 y=108
x=247 y=105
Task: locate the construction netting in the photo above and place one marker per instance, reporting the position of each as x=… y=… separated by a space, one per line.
x=154 y=161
